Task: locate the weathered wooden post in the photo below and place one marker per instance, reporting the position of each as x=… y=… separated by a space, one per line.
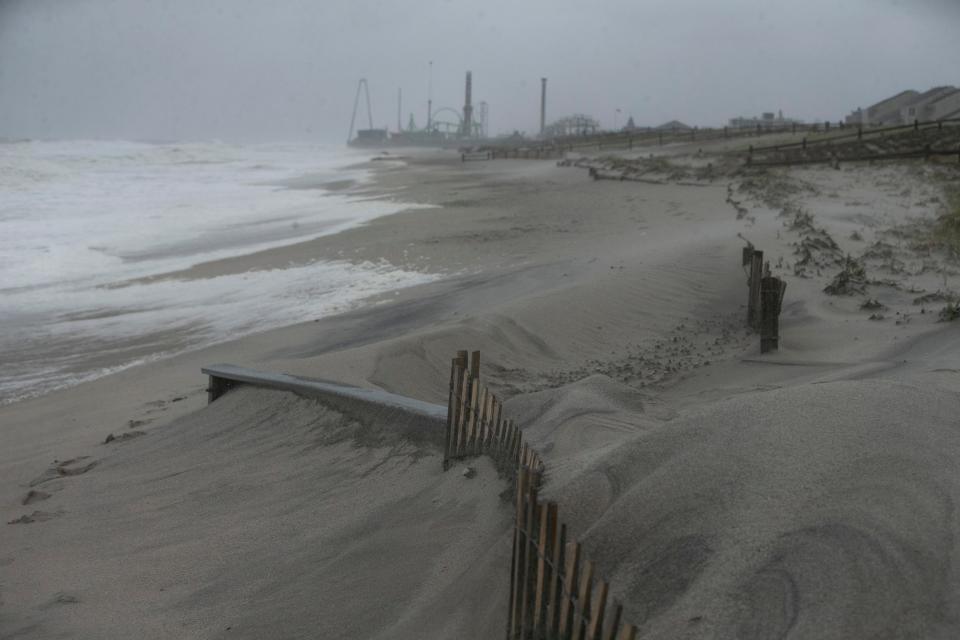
x=916 y=124
x=804 y=143
x=771 y=300
x=456 y=379
x=753 y=300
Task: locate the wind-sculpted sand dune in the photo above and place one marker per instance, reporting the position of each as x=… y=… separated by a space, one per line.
x=820 y=511
x=267 y=515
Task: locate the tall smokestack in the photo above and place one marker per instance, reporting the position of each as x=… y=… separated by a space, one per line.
x=467 y=110
x=543 y=106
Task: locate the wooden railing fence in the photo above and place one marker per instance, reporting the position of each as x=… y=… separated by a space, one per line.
x=554 y=592
x=920 y=140
x=556 y=147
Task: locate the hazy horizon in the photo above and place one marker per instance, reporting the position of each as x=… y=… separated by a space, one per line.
x=244 y=71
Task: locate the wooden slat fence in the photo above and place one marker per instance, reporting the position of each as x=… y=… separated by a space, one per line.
x=554 y=592
x=556 y=147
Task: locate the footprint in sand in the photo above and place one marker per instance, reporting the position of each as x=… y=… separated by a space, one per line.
x=72 y=467
x=34 y=496
x=36 y=516
x=61 y=598
x=129 y=435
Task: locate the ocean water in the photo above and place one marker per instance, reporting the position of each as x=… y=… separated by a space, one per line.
x=80 y=218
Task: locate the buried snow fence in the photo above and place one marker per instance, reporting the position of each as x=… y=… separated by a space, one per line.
x=554 y=592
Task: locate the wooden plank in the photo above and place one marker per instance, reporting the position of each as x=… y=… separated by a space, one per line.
x=596 y=613
x=465 y=416
x=472 y=421
x=570 y=570
x=753 y=299
x=519 y=546
x=451 y=411
x=495 y=410
x=497 y=439
x=548 y=534
x=530 y=558
x=517 y=442
x=487 y=424
x=553 y=608
x=614 y=625
x=475 y=365
x=629 y=632
x=477 y=434
x=318 y=388
x=582 y=608
x=464 y=408
x=771 y=295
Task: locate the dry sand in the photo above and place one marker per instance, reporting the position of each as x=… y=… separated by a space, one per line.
x=803 y=494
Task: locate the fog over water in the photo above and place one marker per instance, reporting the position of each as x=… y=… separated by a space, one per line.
x=250 y=71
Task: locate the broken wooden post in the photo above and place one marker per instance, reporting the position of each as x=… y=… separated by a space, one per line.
x=771 y=301
x=753 y=296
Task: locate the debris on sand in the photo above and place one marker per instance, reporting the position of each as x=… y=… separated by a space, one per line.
x=871 y=304
x=851 y=280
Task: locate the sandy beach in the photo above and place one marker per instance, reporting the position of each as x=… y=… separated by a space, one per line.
x=806 y=493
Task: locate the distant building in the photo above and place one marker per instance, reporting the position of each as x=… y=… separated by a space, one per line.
x=674 y=125
x=767 y=120
x=884 y=112
x=943 y=108
x=923 y=108
x=907 y=106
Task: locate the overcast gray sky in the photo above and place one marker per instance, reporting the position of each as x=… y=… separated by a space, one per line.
x=287 y=69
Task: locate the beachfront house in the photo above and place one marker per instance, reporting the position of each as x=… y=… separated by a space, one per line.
x=887 y=111
x=905 y=107
x=922 y=108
